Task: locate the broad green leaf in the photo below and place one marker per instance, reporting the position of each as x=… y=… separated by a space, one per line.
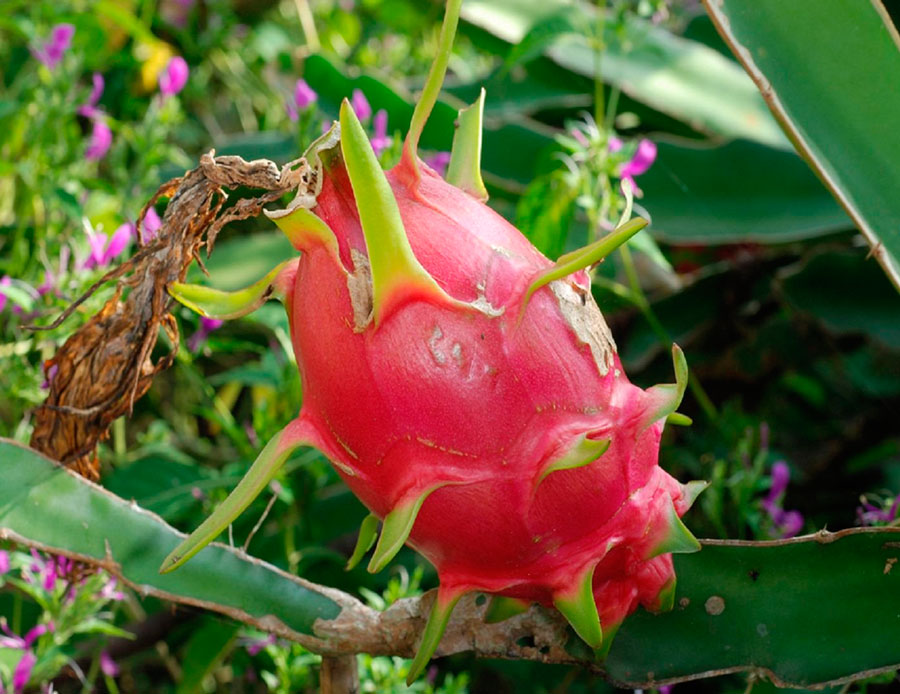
x=44 y=504
x=682 y=78
x=828 y=69
x=802 y=612
x=737 y=192
x=848 y=294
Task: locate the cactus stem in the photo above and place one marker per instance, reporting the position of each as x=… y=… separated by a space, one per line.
x=443 y=606
x=464 y=169
x=296 y=434
x=578 y=607
x=215 y=303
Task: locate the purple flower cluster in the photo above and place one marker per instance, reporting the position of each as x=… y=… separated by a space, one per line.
x=787 y=523
x=52 y=52
x=103 y=249
x=50 y=574
x=207 y=325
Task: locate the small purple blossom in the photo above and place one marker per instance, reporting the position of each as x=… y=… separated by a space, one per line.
x=51 y=276
x=254 y=646
x=150 y=226
x=52 y=52
x=89 y=109
x=109 y=591
x=173 y=77
x=869 y=514
x=438 y=161
x=49 y=375
x=22 y=673
x=360 y=105
x=207 y=325
x=5 y=281
x=4 y=561
x=104 y=249
x=198 y=493
x=787 y=523
x=304 y=97
x=108 y=665
x=380 y=140
x=640 y=162
x=101 y=139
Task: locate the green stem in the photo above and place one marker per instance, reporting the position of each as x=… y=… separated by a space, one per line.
x=433 y=83
x=598 y=53
x=696 y=388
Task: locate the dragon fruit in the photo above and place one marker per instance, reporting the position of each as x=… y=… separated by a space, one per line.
x=466 y=389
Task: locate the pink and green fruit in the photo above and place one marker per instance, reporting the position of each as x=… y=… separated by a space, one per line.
x=467 y=390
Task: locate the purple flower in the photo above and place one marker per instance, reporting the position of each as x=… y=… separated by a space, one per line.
x=108 y=665
x=207 y=325
x=22 y=673
x=49 y=375
x=438 y=161
x=89 y=109
x=150 y=226
x=787 y=523
x=868 y=514
x=51 y=53
x=173 y=77
x=4 y=562
x=5 y=281
x=109 y=592
x=304 y=95
x=103 y=250
x=380 y=140
x=254 y=646
x=640 y=162
x=360 y=105
x=101 y=139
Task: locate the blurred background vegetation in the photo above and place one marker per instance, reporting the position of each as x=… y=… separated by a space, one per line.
x=791 y=331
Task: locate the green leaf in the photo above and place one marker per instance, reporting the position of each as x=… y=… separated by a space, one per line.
x=678 y=77
x=42 y=503
x=805 y=611
x=848 y=294
x=828 y=69
x=208 y=645
x=737 y=192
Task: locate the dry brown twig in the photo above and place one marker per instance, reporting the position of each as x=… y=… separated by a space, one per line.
x=106 y=365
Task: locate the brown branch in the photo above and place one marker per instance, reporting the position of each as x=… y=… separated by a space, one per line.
x=106 y=365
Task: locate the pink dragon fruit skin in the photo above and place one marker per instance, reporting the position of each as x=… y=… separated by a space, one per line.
x=463 y=403
x=471 y=397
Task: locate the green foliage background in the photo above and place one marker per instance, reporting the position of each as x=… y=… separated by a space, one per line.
x=790 y=329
